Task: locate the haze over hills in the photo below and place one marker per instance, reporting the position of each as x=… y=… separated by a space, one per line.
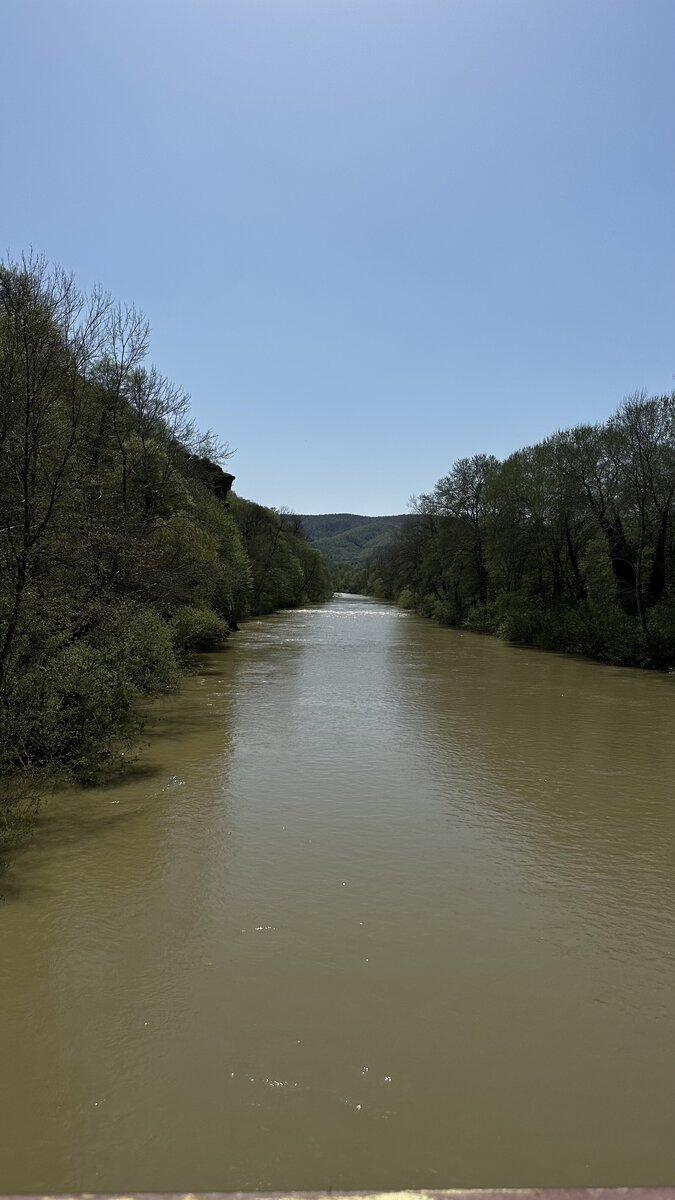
x=348 y=538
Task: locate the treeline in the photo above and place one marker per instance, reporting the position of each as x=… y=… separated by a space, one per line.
x=567 y=545
x=122 y=549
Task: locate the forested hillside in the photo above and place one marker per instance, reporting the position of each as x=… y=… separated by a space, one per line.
x=348 y=539
x=122 y=549
x=568 y=544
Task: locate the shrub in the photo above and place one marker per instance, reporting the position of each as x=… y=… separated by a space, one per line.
x=518 y=619
x=481 y=619
x=444 y=611
x=197 y=629
x=378 y=588
x=68 y=712
x=406 y=598
x=662 y=636
x=138 y=642
x=72 y=709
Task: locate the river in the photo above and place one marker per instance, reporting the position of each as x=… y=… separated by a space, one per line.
x=380 y=904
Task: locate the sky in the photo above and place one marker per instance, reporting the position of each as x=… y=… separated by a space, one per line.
x=370 y=236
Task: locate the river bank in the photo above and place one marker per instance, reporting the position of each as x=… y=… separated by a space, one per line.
x=106 y=757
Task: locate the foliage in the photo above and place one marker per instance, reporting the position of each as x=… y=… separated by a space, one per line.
x=347 y=539
x=197 y=629
x=566 y=545
x=119 y=552
x=75 y=704
x=406 y=598
x=285 y=570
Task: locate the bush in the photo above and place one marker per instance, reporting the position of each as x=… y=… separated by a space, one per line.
x=68 y=711
x=445 y=611
x=406 y=599
x=138 y=642
x=197 y=629
x=599 y=631
x=662 y=636
x=481 y=619
x=73 y=709
x=611 y=636
x=379 y=589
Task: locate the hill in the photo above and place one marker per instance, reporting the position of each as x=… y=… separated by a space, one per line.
x=347 y=538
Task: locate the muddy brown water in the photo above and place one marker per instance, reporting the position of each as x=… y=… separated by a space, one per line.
x=380 y=905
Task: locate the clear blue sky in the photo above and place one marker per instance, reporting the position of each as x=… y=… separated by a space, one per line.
x=370 y=235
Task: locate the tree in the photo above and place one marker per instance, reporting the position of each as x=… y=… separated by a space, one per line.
x=51 y=338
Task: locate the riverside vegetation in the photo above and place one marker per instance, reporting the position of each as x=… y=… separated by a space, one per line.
x=122 y=548
x=565 y=545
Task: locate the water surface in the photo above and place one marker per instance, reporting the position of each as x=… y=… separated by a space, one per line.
x=380 y=905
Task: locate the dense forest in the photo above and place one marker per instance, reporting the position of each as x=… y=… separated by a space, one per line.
x=567 y=544
x=349 y=539
x=122 y=547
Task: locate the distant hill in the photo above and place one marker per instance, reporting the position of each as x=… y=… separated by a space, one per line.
x=347 y=538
